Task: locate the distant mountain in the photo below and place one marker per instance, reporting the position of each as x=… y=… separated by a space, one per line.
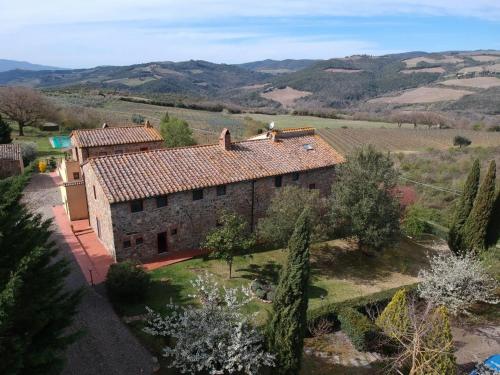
x=6 y=65
x=396 y=81
x=278 y=66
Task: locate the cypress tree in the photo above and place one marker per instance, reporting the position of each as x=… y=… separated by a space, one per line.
x=438 y=353
x=476 y=225
x=5 y=131
x=394 y=320
x=35 y=307
x=493 y=231
x=463 y=209
x=289 y=322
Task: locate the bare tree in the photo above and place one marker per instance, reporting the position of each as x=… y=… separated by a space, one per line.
x=25 y=106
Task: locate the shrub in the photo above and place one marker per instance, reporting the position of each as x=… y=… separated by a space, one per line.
x=461 y=141
x=127 y=281
x=138 y=119
x=358 y=327
x=415 y=221
x=394 y=319
x=29 y=152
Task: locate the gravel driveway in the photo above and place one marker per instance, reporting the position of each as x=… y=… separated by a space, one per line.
x=107 y=346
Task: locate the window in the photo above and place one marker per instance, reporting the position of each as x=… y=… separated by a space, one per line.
x=295 y=176
x=197 y=194
x=76 y=175
x=312 y=186
x=139 y=241
x=278 y=180
x=161 y=201
x=126 y=244
x=221 y=190
x=95 y=195
x=136 y=206
x=173 y=232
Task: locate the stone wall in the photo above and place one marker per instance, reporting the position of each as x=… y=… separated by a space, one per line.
x=99 y=209
x=187 y=221
x=10 y=167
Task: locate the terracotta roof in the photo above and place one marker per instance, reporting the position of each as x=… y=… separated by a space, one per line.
x=114 y=136
x=11 y=151
x=140 y=175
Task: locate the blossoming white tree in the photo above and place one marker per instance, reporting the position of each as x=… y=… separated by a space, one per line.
x=457 y=282
x=215 y=337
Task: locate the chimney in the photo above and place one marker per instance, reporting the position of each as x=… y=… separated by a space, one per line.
x=105 y=125
x=225 y=139
x=147 y=124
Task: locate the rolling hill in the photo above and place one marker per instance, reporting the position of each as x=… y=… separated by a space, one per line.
x=6 y=65
x=448 y=81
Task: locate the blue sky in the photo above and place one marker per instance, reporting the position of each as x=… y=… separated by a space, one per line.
x=120 y=32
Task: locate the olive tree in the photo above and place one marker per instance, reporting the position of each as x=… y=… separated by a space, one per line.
x=363 y=202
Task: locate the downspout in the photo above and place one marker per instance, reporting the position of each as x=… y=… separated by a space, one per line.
x=253 y=204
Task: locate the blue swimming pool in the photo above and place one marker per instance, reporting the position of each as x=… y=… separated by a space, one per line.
x=60 y=141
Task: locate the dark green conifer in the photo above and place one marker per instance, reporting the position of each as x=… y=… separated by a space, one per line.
x=5 y=131
x=463 y=208
x=476 y=225
x=289 y=322
x=493 y=231
x=35 y=307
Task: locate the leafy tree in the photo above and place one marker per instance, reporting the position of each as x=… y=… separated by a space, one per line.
x=394 y=319
x=463 y=208
x=476 y=225
x=493 y=231
x=5 y=131
x=456 y=282
x=363 y=203
x=415 y=220
x=230 y=239
x=176 y=132
x=25 y=106
x=215 y=338
x=461 y=141
x=285 y=208
x=289 y=321
x=35 y=307
x=28 y=152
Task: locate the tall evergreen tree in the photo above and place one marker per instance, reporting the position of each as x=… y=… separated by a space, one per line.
x=5 y=131
x=463 y=208
x=493 y=231
x=35 y=308
x=476 y=225
x=394 y=320
x=289 y=322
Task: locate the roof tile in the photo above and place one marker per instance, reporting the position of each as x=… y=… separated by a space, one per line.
x=114 y=136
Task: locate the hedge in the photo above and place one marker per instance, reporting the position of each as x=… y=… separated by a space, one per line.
x=358 y=327
x=330 y=310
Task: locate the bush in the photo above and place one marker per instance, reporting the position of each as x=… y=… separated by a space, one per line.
x=29 y=152
x=358 y=328
x=415 y=221
x=127 y=282
x=461 y=141
x=138 y=119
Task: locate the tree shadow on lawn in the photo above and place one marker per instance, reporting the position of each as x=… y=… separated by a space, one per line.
x=268 y=271
x=342 y=260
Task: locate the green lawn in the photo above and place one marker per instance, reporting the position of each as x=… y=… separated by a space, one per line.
x=339 y=272
x=41 y=138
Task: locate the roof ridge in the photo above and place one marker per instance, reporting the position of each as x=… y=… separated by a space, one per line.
x=109 y=127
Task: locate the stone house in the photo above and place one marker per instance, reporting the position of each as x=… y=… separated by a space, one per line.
x=88 y=143
x=11 y=160
x=107 y=140
x=162 y=201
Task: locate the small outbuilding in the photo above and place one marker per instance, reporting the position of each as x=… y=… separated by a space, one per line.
x=11 y=160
